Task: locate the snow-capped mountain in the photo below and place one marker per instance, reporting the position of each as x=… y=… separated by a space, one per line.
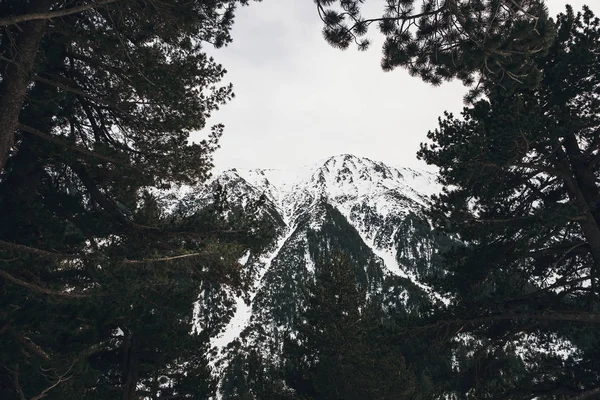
x=368 y=210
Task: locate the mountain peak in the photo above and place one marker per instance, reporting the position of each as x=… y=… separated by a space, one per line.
x=344 y=157
x=366 y=209
x=342 y=178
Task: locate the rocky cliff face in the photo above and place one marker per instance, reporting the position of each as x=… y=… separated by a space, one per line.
x=368 y=210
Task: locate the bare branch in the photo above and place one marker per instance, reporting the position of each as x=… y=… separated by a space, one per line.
x=150 y=260
x=53 y=14
x=17 y=384
x=59 y=379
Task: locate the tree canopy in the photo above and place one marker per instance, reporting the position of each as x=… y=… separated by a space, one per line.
x=341 y=350
x=99 y=279
x=484 y=43
x=109 y=62
x=521 y=176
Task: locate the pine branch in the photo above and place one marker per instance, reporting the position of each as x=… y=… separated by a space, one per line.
x=28 y=343
x=566 y=249
x=541 y=168
x=458 y=325
x=53 y=14
x=525 y=218
x=590 y=394
x=68 y=145
x=73 y=90
x=38 y=252
x=204 y=235
x=105 y=202
x=40 y=289
x=18 y=387
x=35 y=348
x=150 y=260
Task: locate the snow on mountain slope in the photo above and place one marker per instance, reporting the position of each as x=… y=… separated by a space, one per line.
x=373 y=196
x=369 y=210
x=243 y=310
x=342 y=179
x=370 y=194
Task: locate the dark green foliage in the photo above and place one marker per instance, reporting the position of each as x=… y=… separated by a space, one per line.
x=252 y=377
x=119 y=308
x=98 y=280
x=484 y=43
x=113 y=66
x=418 y=246
x=522 y=189
x=335 y=236
x=288 y=271
x=285 y=310
x=282 y=300
x=338 y=352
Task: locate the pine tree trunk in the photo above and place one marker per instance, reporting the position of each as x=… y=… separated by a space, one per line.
x=584 y=194
x=130 y=366
x=16 y=80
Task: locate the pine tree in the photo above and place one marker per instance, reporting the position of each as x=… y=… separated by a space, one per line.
x=98 y=100
x=107 y=324
x=338 y=352
x=484 y=43
x=522 y=188
x=113 y=63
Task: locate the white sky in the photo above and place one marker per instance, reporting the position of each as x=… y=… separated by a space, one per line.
x=298 y=100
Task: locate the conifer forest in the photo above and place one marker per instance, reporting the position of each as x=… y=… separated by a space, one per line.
x=131 y=269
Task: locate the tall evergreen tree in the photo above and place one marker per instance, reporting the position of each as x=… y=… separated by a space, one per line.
x=338 y=352
x=112 y=63
x=98 y=100
x=522 y=182
x=484 y=43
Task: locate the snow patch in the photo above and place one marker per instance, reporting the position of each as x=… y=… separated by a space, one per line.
x=243 y=309
x=244 y=259
x=308 y=261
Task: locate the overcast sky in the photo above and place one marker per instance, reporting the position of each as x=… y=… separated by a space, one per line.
x=298 y=100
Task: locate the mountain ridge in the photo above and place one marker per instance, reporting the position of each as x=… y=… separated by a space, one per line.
x=372 y=212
